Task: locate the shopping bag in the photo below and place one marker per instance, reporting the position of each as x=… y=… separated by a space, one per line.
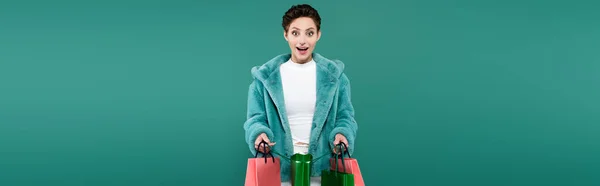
x=337 y=176
x=351 y=166
x=301 y=165
x=263 y=171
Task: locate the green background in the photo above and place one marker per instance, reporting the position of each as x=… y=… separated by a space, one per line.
x=154 y=92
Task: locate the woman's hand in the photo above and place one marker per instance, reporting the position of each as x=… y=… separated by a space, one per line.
x=339 y=138
x=260 y=138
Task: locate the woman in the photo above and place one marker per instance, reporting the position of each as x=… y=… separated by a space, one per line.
x=300 y=102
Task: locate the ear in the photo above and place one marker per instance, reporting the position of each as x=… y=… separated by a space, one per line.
x=319 y=35
x=285 y=35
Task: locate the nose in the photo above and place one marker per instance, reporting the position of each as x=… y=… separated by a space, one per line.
x=302 y=40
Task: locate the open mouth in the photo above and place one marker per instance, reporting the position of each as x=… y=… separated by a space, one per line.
x=302 y=49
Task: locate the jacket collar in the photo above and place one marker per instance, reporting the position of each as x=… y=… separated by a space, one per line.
x=270 y=69
x=328 y=74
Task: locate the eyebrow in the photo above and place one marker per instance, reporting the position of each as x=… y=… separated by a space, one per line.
x=295 y=28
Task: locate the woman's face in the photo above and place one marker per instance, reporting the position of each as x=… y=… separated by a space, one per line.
x=302 y=36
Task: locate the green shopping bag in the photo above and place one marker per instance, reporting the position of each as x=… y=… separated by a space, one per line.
x=301 y=165
x=337 y=177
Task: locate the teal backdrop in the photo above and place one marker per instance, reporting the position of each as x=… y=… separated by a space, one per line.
x=154 y=92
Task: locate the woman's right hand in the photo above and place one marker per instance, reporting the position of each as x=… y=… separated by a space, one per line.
x=260 y=138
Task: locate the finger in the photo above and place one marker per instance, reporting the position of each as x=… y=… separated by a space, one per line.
x=257 y=142
x=257 y=146
x=268 y=143
x=266 y=139
x=345 y=142
x=336 y=143
x=265 y=150
x=260 y=138
x=261 y=149
x=263 y=146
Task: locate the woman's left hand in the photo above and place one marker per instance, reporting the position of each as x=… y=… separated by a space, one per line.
x=339 y=138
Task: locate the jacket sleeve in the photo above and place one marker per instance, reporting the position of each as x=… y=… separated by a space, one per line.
x=345 y=123
x=256 y=119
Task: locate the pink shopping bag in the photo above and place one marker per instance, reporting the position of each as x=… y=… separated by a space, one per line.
x=351 y=166
x=263 y=171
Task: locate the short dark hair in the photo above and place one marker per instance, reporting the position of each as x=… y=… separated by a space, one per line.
x=300 y=10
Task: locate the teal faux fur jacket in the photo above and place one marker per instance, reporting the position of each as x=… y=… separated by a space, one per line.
x=334 y=111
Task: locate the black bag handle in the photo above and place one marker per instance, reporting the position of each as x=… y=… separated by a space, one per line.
x=257 y=150
x=336 y=166
x=265 y=155
x=341 y=157
x=346 y=149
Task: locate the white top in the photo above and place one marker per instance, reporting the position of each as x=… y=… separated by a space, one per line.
x=299 y=83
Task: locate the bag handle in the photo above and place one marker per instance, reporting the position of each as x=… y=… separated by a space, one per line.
x=341 y=157
x=274 y=151
x=282 y=156
x=265 y=155
x=346 y=149
x=336 y=165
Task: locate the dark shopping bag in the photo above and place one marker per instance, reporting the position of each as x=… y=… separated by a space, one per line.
x=301 y=165
x=351 y=166
x=337 y=177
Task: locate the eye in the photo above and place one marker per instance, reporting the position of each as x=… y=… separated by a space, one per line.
x=295 y=33
x=311 y=33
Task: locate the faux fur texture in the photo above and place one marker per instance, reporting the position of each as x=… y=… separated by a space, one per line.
x=334 y=111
